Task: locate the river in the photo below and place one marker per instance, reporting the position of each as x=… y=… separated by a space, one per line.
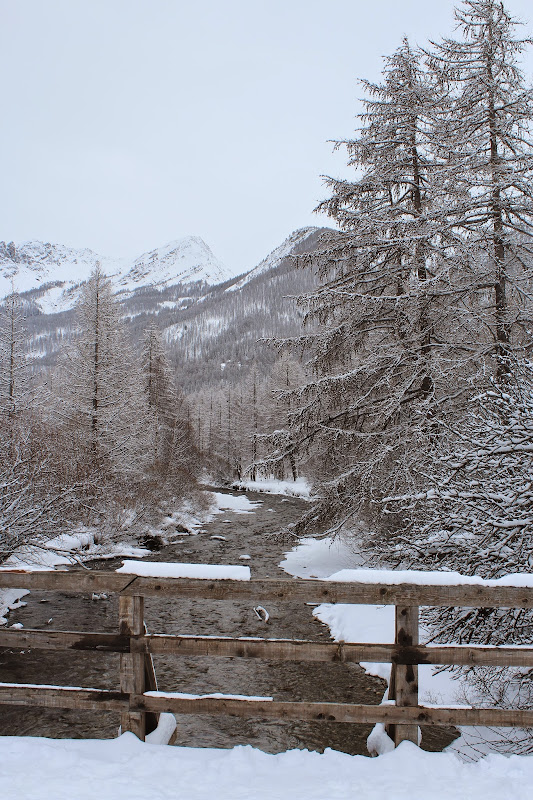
x=250 y=534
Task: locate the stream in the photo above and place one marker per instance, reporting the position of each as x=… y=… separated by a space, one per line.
x=237 y=534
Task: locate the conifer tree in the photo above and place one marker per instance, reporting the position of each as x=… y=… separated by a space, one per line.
x=172 y=448
x=14 y=374
x=484 y=145
x=385 y=304
x=103 y=400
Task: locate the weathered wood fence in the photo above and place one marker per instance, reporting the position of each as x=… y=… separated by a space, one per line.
x=136 y=647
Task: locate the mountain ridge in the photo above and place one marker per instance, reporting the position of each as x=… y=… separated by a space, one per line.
x=32 y=265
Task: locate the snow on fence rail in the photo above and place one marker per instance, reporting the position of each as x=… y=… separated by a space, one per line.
x=139 y=706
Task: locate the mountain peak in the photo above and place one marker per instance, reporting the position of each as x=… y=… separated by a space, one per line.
x=277 y=255
x=180 y=261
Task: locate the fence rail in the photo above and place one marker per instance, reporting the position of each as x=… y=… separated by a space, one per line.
x=137 y=703
x=309 y=590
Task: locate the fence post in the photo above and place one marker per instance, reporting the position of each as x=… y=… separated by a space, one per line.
x=132 y=665
x=150 y=685
x=406 y=675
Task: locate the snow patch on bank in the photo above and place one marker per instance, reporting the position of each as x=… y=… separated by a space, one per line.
x=319 y=558
x=89 y=544
x=298 y=488
x=62 y=551
x=375 y=624
x=238 y=504
x=69 y=548
x=10 y=599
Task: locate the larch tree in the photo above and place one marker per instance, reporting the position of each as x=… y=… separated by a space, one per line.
x=14 y=373
x=476 y=514
x=486 y=156
x=484 y=145
x=35 y=499
x=385 y=303
x=171 y=436
x=103 y=401
x=280 y=457
x=472 y=510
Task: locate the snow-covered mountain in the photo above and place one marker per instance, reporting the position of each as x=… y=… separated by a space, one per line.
x=275 y=258
x=56 y=271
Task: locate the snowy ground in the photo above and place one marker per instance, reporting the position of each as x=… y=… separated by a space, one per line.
x=126 y=769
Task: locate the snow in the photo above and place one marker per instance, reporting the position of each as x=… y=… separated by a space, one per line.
x=213 y=695
x=7 y=685
x=38 y=264
x=68 y=548
x=165 y=728
x=274 y=258
x=360 y=623
x=9 y=600
x=239 y=504
x=127 y=769
x=298 y=488
x=421 y=578
x=375 y=625
x=318 y=558
x=160 y=569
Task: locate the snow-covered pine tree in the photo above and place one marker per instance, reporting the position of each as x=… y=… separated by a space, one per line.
x=484 y=144
x=476 y=513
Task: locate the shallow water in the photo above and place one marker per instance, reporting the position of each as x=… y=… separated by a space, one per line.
x=246 y=534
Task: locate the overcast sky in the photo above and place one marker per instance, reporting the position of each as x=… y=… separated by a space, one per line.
x=129 y=123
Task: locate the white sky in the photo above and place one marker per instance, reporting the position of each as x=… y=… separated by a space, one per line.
x=129 y=123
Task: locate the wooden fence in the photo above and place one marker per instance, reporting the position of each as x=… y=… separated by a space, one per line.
x=136 y=647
